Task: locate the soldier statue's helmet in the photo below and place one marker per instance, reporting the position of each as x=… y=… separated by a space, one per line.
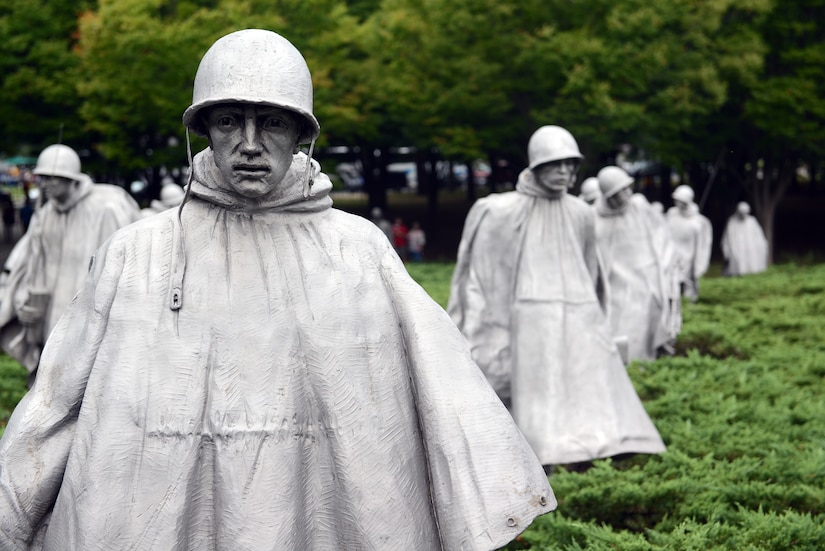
x=551 y=143
x=58 y=160
x=254 y=66
x=612 y=179
x=590 y=189
x=683 y=193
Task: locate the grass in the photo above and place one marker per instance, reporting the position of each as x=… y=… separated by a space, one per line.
x=12 y=387
x=740 y=407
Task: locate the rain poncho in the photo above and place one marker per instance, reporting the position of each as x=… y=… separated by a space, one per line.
x=54 y=259
x=744 y=246
x=637 y=254
x=525 y=293
x=306 y=395
x=692 y=236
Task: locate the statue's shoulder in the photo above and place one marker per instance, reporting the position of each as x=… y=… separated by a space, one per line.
x=345 y=225
x=150 y=229
x=115 y=197
x=109 y=190
x=577 y=205
x=499 y=205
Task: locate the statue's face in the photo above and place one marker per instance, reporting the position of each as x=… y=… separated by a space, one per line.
x=252 y=144
x=557 y=175
x=57 y=188
x=620 y=198
x=681 y=205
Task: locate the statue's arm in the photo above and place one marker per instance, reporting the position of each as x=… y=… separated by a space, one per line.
x=35 y=447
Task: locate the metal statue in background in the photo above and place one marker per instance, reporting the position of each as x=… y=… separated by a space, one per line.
x=171 y=195
x=49 y=263
x=638 y=257
x=590 y=190
x=744 y=245
x=692 y=235
x=658 y=211
x=256 y=370
x=528 y=293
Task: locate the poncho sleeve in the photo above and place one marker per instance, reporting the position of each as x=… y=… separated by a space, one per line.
x=704 y=247
x=121 y=210
x=484 y=325
x=593 y=258
x=35 y=447
x=12 y=333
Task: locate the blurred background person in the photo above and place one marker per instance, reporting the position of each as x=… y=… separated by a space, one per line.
x=399 y=238
x=377 y=217
x=416 y=240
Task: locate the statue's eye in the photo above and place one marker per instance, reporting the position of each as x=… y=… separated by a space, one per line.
x=225 y=121
x=272 y=123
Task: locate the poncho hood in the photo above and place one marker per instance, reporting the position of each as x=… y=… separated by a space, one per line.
x=604 y=209
x=84 y=188
x=288 y=196
x=528 y=185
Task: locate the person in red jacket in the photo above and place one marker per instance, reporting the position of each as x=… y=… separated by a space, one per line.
x=399 y=238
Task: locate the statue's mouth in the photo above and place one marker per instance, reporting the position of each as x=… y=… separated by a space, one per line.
x=247 y=169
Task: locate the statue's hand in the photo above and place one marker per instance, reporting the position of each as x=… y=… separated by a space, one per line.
x=30 y=315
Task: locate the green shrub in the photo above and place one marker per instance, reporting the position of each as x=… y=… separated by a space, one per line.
x=12 y=387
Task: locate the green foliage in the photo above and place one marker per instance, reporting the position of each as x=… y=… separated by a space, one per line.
x=139 y=58
x=644 y=72
x=12 y=387
x=38 y=73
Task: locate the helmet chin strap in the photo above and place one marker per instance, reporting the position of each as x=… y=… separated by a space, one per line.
x=308 y=175
x=178 y=244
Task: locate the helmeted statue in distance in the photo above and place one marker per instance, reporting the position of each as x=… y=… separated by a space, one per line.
x=744 y=245
x=52 y=259
x=171 y=194
x=590 y=190
x=528 y=293
x=255 y=369
x=693 y=237
x=638 y=257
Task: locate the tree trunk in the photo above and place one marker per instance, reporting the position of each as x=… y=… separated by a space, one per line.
x=432 y=191
x=766 y=193
x=471 y=184
x=373 y=165
x=494 y=172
